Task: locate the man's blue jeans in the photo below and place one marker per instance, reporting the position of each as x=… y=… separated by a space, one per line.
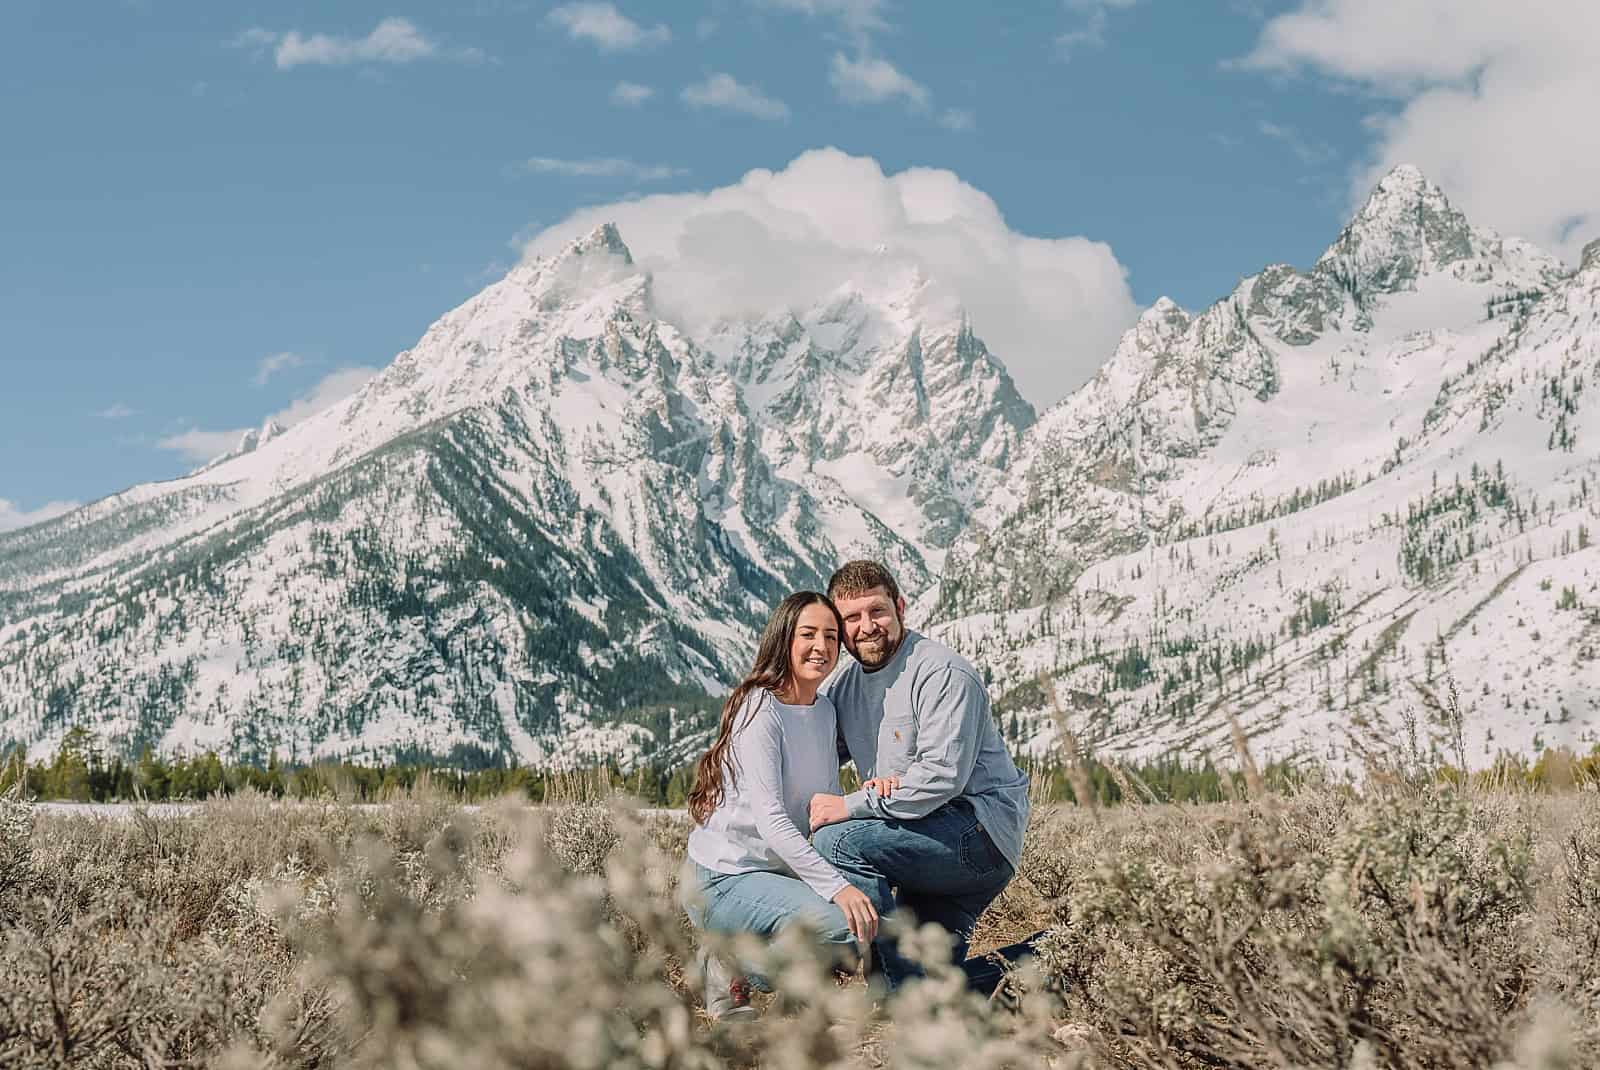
x=946 y=869
x=761 y=903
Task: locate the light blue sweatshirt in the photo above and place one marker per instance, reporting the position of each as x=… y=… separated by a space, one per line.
x=924 y=717
x=782 y=757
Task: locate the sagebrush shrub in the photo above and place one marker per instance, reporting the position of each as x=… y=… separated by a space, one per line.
x=1415 y=928
x=16 y=850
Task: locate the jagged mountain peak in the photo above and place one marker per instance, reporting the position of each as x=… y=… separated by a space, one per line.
x=1139 y=352
x=1401 y=194
x=257 y=437
x=1405 y=182
x=1165 y=317
x=249 y=442
x=1406 y=228
x=586 y=269
x=604 y=237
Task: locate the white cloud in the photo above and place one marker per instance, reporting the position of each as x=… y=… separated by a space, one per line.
x=1495 y=105
x=1309 y=152
x=630 y=94
x=200 y=446
x=958 y=119
x=117 y=411
x=861 y=18
x=723 y=92
x=13 y=516
x=255 y=38
x=606 y=28
x=1090 y=31
x=602 y=168
x=273 y=364
x=393 y=40
x=332 y=389
x=867 y=79
x=1051 y=308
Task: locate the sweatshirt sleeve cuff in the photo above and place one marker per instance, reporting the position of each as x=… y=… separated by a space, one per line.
x=856 y=804
x=833 y=888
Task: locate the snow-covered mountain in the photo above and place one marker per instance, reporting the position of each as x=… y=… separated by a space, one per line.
x=548 y=530
x=1311 y=506
x=551 y=529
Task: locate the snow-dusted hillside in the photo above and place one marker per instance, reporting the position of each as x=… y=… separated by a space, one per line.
x=547 y=530
x=1309 y=506
x=552 y=527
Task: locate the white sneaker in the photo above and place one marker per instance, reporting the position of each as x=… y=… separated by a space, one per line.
x=727 y=993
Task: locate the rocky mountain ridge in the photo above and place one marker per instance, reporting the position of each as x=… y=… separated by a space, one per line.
x=546 y=531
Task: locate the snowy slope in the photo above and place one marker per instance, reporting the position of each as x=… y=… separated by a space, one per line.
x=1311 y=506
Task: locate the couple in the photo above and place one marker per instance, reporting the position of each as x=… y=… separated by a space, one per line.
x=936 y=827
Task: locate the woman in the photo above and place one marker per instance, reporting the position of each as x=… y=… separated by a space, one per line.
x=750 y=866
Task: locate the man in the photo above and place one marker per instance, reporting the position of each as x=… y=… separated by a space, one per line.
x=942 y=809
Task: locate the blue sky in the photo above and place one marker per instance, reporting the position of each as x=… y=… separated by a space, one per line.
x=212 y=211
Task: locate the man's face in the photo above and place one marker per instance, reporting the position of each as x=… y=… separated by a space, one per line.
x=873 y=625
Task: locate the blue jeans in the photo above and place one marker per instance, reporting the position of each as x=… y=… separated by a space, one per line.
x=762 y=903
x=946 y=870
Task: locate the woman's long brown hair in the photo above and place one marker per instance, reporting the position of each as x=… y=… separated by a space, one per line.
x=772 y=672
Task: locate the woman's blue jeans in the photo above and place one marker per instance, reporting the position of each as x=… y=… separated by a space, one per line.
x=762 y=903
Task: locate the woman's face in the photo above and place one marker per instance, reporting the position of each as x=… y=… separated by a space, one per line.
x=816 y=644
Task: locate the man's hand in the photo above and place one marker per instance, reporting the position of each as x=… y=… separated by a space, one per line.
x=827 y=810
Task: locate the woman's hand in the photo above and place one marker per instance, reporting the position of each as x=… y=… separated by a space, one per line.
x=859 y=913
x=883 y=785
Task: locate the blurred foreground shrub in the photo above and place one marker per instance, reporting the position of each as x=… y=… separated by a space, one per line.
x=1416 y=928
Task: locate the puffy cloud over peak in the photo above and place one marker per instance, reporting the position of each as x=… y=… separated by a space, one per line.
x=1051 y=308
x=1493 y=106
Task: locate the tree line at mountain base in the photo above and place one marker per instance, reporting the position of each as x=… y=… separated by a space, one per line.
x=79 y=772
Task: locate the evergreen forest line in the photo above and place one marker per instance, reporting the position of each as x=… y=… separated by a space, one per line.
x=79 y=772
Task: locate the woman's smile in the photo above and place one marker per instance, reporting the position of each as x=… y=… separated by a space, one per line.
x=815 y=650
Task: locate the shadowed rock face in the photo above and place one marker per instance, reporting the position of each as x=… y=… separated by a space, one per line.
x=1406 y=227
x=1591 y=256
x=1294 y=306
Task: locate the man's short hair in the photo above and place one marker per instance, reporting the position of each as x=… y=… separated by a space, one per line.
x=858 y=577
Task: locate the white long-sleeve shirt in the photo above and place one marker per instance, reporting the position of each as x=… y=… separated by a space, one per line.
x=781 y=757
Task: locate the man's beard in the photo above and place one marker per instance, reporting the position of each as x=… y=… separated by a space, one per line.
x=875 y=653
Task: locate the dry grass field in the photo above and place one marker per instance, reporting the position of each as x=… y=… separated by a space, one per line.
x=1415 y=925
